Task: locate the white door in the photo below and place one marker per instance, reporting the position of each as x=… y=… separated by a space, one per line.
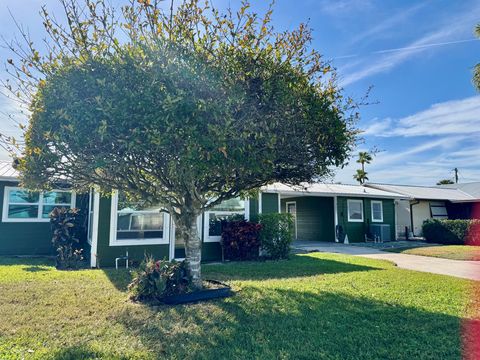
x=291 y=207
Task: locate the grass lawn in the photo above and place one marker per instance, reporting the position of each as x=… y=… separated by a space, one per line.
x=318 y=305
x=454 y=252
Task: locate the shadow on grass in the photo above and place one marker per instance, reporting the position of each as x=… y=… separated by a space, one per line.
x=83 y=352
x=296 y=266
x=24 y=260
x=36 y=268
x=119 y=278
x=273 y=323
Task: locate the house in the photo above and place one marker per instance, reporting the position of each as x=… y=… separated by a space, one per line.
x=322 y=212
x=115 y=225
x=421 y=203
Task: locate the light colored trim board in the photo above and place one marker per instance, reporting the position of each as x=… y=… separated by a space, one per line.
x=95 y=222
x=133 y=242
x=296 y=209
x=371 y=209
x=335 y=213
x=260 y=202
x=351 y=201
x=40 y=205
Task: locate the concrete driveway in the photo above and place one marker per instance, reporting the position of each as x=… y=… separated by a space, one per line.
x=458 y=268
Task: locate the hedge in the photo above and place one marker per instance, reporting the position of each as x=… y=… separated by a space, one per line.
x=276 y=234
x=452 y=232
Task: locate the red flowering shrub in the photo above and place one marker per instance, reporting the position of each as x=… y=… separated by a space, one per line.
x=154 y=280
x=240 y=240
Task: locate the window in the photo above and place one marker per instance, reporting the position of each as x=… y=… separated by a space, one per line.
x=438 y=210
x=377 y=211
x=22 y=205
x=355 y=210
x=137 y=222
x=223 y=211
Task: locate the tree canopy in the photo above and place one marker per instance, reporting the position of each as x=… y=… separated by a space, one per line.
x=189 y=107
x=445 y=182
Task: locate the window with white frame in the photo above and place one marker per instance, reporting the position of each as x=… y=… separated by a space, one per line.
x=377 y=211
x=219 y=213
x=22 y=205
x=355 y=210
x=137 y=222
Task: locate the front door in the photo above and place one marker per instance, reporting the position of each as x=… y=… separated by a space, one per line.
x=292 y=209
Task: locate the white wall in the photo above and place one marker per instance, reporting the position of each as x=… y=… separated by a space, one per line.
x=421 y=212
x=402 y=209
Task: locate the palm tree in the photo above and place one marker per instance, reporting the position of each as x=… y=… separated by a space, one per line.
x=361 y=176
x=445 y=182
x=364 y=157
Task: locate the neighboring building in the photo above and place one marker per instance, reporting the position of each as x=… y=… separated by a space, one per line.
x=468 y=209
x=421 y=203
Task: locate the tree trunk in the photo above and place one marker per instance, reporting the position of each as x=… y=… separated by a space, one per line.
x=186 y=223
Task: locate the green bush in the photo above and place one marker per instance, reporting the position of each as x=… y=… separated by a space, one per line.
x=276 y=234
x=240 y=240
x=154 y=280
x=452 y=232
x=66 y=227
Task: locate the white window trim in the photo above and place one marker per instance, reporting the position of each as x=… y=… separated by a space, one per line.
x=206 y=221
x=95 y=221
x=40 y=204
x=351 y=201
x=296 y=209
x=132 y=242
x=381 y=208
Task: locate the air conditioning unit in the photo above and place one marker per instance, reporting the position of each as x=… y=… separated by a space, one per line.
x=381 y=232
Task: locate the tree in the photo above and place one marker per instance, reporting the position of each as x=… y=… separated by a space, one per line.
x=361 y=176
x=445 y=182
x=364 y=157
x=188 y=108
x=476 y=71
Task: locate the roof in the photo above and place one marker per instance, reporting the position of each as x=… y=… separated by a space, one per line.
x=426 y=192
x=7 y=172
x=472 y=189
x=321 y=189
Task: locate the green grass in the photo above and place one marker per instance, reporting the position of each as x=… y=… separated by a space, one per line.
x=318 y=305
x=454 y=252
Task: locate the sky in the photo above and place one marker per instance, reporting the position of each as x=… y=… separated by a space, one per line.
x=418 y=57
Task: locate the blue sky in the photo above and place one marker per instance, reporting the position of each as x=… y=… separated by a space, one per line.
x=417 y=55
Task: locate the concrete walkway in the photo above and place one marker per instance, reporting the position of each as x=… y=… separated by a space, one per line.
x=458 y=268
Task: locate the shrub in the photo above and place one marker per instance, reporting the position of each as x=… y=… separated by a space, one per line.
x=240 y=240
x=66 y=228
x=276 y=234
x=452 y=232
x=154 y=280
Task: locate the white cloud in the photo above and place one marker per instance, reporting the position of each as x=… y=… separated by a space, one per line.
x=446 y=33
x=453 y=117
x=342 y=7
x=425 y=147
x=379 y=29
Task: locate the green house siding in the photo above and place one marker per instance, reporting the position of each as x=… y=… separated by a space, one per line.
x=315 y=218
x=28 y=238
x=106 y=254
x=269 y=203
x=356 y=230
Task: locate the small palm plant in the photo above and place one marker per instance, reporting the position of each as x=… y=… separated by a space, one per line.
x=361 y=176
